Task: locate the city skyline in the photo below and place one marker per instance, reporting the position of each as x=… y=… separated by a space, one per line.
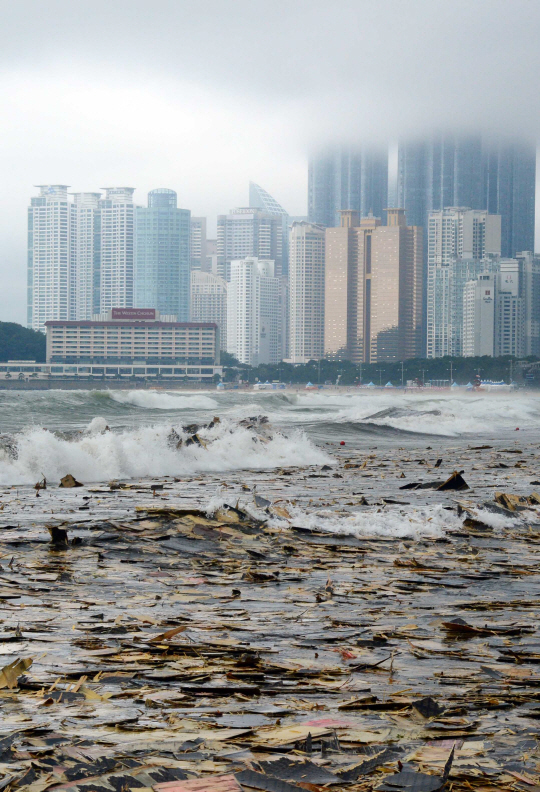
x=199 y=102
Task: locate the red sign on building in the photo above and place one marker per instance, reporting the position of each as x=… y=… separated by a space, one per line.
x=136 y=314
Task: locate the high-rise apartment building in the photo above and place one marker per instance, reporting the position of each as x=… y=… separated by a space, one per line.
x=373 y=289
x=247 y=233
x=86 y=247
x=198 y=243
x=453 y=233
x=50 y=256
x=306 y=292
x=347 y=177
x=509 y=190
x=479 y=303
x=162 y=266
x=510 y=309
x=209 y=301
x=253 y=312
x=117 y=248
x=530 y=268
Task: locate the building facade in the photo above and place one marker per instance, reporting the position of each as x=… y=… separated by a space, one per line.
x=117 y=248
x=162 y=264
x=509 y=190
x=530 y=268
x=249 y=233
x=347 y=177
x=134 y=337
x=86 y=247
x=209 y=301
x=253 y=312
x=51 y=257
x=479 y=303
x=306 y=292
x=198 y=243
x=453 y=234
x=373 y=289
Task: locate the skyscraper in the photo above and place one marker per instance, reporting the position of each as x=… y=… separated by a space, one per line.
x=86 y=248
x=198 y=243
x=209 y=302
x=442 y=171
x=509 y=190
x=306 y=292
x=347 y=177
x=260 y=199
x=453 y=233
x=50 y=256
x=247 y=233
x=481 y=173
x=162 y=266
x=394 y=310
x=253 y=312
x=373 y=289
x=117 y=248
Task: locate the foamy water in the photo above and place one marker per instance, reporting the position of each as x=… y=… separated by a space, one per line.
x=99 y=455
x=308 y=426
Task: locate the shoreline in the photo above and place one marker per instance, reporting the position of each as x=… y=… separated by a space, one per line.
x=207 y=626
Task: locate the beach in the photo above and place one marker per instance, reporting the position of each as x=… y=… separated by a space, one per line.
x=302 y=587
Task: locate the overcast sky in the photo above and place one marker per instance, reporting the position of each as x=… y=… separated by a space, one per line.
x=203 y=96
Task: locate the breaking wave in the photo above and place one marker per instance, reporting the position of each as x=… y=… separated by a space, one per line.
x=150 y=400
x=98 y=455
x=446 y=415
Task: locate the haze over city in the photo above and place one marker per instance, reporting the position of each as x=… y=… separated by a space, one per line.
x=203 y=99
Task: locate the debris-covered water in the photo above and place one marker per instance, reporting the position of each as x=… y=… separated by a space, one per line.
x=244 y=603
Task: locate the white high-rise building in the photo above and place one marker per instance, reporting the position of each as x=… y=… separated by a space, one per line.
x=50 y=256
x=117 y=242
x=479 y=302
x=253 y=312
x=86 y=242
x=209 y=302
x=306 y=292
x=510 y=313
x=453 y=233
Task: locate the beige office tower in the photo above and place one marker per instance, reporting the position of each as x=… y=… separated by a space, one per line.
x=395 y=306
x=373 y=289
x=306 y=292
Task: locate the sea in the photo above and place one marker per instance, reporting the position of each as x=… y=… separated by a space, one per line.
x=108 y=436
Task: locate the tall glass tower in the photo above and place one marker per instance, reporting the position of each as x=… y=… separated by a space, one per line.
x=347 y=178
x=162 y=256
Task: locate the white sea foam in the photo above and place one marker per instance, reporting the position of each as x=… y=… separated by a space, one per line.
x=145 y=451
x=445 y=414
x=152 y=400
x=391 y=522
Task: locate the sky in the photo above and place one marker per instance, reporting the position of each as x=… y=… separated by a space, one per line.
x=204 y=97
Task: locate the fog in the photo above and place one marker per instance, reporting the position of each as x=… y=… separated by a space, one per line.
x=202 y=97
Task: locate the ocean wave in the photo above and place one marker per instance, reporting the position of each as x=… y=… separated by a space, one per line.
x=99 y=455
x=151 y=400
